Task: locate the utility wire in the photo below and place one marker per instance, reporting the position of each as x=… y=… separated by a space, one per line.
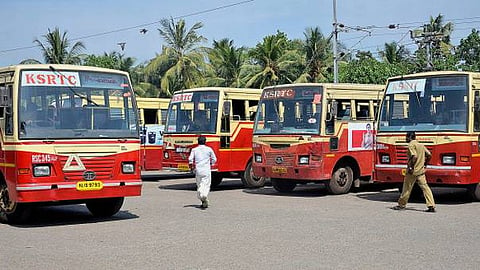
x=136 y=26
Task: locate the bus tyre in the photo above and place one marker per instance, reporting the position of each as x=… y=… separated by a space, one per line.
x=341 y=181
x=11 y=212
x=216 y=179
x=249 y=180
x=474 y=192
x=283 y=185
x=106 y=207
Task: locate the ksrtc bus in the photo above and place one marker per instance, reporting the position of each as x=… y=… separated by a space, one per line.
x=443 y=108
x=311 y=132
x=153 y=115
x=69 y=134
x=225 y=117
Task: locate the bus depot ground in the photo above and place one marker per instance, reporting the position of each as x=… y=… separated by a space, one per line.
x=250 y=229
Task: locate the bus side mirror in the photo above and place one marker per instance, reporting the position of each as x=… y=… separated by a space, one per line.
x=334 y=108
x=4 y=97
x=226 y=108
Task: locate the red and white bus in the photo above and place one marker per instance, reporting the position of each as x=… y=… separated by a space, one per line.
x=225 y=117
x=321 y=133
x=153 y=115
x=69 y=134
x=443 y=108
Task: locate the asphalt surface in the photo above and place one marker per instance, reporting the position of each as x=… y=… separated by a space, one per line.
x=250 y=229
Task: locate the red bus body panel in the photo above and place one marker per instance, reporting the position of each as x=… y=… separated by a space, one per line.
x=61 y=184
x=464 y=147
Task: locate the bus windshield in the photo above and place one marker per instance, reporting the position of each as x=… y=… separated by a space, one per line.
x=73 y=104
x=193 y=112
x=437 y=103
x=289 y=110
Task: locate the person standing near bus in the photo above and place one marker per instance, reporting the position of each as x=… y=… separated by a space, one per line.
x=418 y=158
x=201 y=159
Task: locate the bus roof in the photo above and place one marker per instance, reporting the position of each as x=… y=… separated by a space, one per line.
x=341 y=86
x=434 y=73
x=59 y=67
x=223 y=89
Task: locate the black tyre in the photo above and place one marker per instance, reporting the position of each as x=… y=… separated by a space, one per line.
x=216 y=179
x=341 y=181
x=249 y=180
x=474 y=192
x=11 y=212
x=104 y=207
x=283 y=185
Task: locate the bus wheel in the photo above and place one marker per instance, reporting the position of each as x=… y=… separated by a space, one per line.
x=216 y=179
x=106 y=207
x=341 y=181
x=11 y=212
x=283 y=185
x=474 y=192
x=249 y=180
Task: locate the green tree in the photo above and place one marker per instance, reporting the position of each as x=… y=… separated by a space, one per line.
x=181 y=62
x=275 y=61
x=393 y=53
x=468 y=52
x=226 y=62
x=370 y=70
x=318 y=54
x=57 y=49
x=113 y=60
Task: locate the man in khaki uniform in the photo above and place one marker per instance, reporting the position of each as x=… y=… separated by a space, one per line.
x=418 y=158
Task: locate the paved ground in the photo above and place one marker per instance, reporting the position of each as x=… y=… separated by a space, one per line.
x=250 y=229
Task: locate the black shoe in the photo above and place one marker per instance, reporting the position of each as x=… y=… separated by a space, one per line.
x=431 y=209
x=398 y=207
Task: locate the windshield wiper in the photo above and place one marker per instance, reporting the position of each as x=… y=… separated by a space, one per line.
x=73 y=91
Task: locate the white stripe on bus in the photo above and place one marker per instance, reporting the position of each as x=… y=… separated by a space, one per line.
x=428 y=167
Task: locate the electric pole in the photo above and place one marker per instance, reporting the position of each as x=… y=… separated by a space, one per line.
x=335 y=37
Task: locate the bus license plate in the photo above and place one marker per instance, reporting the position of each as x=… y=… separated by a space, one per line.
x=183 y=167
x=277 y=169
x=89 y=185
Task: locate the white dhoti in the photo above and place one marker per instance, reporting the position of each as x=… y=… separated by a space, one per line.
x=203 y=177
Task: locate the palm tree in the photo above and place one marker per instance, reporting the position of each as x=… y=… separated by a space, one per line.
x=273 y=59
x=56 y=48
x=226 y=62
x=181 y=61
x=393 y=53
x=318 y=54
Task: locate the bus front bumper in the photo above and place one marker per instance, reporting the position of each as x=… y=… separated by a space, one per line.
x=441 y=175
x=52 y=192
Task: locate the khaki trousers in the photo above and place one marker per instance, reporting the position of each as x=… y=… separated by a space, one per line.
x=408 y=183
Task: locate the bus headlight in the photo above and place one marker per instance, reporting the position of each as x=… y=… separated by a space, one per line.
x=41 y=170
x=385 y=158
x=128 y=167
x=166 y=155
x=448 y=159
x=303 y=159
x=258 y=158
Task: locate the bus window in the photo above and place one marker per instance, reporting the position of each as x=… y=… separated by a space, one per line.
x=238 y=107
x=150 y=116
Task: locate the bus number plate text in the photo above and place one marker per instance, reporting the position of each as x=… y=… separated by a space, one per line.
x=277 y=169
x=89 y=185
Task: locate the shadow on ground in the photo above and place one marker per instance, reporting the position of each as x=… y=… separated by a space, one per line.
x=45 y=216
x=226 y=184
x=442 y=195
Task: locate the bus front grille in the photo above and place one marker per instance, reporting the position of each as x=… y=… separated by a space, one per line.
x=102 y=166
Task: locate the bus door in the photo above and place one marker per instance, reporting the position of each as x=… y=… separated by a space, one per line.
x=225 y=136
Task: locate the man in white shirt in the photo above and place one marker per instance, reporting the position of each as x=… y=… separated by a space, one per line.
x=201 y=159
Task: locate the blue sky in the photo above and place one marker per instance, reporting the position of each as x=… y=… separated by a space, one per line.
x=246 y=23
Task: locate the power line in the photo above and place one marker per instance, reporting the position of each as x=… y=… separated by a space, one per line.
x=136 y=26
